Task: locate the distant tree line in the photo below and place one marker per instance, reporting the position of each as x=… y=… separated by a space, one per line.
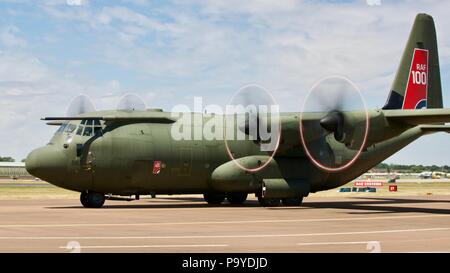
x=8 y=159
x=413 y=168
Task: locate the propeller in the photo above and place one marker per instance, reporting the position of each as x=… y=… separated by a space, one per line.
x=330 y=101
x=79 y=105
x=131 y=102
x=257 y=117
x=334 y=122
x=256 y=109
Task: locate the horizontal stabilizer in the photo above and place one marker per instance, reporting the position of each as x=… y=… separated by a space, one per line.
x=418 y=117
x=435 y=128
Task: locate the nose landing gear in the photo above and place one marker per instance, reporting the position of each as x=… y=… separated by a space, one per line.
x=92 y=199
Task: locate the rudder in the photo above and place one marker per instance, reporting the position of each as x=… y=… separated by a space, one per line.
x=417 y=83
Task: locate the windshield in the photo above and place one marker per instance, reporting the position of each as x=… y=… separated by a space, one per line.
x=86 y=128
x=89 y=128
x=61 y=128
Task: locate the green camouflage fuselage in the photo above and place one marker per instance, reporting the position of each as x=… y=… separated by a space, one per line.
x=120 y=161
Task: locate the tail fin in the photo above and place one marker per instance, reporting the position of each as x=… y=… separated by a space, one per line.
x=417 y=83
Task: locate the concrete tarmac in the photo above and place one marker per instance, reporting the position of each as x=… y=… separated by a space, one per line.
x=187 y=224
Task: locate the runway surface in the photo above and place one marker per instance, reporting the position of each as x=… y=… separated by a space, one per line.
x=187 y=224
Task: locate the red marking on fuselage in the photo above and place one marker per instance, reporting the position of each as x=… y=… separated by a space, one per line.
x=417 y=87
x=156 y=167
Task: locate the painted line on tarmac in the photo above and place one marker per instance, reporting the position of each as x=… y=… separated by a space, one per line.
x=221 y=222
x=221 y=236
x=423 y=252
x=146 y=246
x=334 y=243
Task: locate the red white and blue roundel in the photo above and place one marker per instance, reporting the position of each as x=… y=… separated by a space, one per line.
x=417 y=87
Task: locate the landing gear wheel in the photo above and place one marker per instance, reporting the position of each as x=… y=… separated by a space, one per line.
x=83 y=199
x=237 y=198
x=92 y=199
x=292 y=202
x=269 y=202
x=214 y=198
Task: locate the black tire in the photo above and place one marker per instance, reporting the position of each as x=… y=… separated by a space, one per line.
x=269 y=202
x=292 y=202
x=237 y=198
x=84 y=200
x=92 y=199
x=214 y=198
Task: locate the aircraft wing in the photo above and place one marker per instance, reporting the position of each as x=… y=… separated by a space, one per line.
x=418 y=117
x=113 y=119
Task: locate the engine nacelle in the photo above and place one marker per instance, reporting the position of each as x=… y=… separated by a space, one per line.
x=350 y=128
x=229 y=177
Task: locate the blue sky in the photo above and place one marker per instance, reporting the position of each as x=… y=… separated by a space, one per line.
x=167 y=52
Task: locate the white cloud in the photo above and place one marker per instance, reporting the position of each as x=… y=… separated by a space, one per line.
x=9 y=37
x=76 y=2
x=30 y=90
x=137 y=2
x=128 y=16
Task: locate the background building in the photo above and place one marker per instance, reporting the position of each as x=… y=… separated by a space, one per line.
x=13 y=170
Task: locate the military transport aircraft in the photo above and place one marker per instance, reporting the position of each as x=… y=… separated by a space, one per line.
x=124 y=153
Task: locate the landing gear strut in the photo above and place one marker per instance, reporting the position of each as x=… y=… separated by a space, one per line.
x=92 y=199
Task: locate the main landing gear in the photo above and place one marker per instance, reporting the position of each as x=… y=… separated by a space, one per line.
x=287 y=202
x=237 y=198
x=92 y=199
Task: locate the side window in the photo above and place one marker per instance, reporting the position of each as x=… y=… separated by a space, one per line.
x=80 y=130
x=88 y=131
x=97 y=127
x=97 y=130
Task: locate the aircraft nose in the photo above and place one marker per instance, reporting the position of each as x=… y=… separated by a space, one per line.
x=31 y=163
x=47 y=164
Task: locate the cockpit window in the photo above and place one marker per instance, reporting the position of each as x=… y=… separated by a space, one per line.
x=80 y=130
x=97 y=130
x=89 y=127
x=87 y=131
x=70 y=128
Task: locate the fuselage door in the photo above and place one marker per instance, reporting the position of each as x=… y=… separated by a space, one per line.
x=81 y=158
